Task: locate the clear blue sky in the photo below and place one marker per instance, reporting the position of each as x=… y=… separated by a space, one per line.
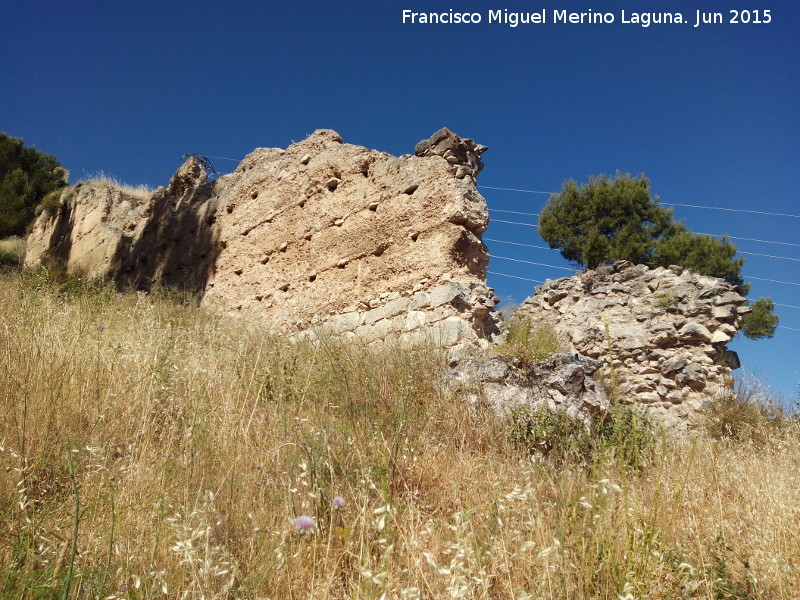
x=709 y=114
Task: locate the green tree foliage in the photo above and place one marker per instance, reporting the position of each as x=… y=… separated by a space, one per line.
x=762 y=321
x=26 y=177
x=611 y=219
x=605 y=219
x=700 y=253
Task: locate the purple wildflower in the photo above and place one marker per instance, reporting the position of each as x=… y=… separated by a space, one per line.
x=101 y=327
x=304 y=524
x=338 y=502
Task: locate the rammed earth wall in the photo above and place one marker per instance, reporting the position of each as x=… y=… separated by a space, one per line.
x=323 y=237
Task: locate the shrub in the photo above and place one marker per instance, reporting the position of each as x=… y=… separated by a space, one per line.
x=629 y=436
x=625 y=437
x=746 y=414
x=549 y=432
x=53 y=277
x=530 y=342
x=49 y=204
x=12 y=253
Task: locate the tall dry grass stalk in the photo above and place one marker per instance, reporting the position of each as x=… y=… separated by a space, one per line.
x=140 y=192
x=176 y=449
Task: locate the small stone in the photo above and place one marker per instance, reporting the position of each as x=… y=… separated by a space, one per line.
x=373 y=206
x=648 y=397
x=338 y=222
x=306 y=158
x=284 y=286
x=694 y=332
x=422 y=147
x=283 y=247
x=333 y=183
x=720 y=337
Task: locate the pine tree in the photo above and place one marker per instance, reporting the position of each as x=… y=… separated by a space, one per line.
x=611 y=219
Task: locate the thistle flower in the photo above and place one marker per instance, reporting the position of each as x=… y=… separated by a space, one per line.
x=304 y=524
x=338 y=502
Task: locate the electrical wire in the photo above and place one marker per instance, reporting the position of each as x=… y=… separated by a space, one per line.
x=520 y=244
x=530 y=262
x=513 y=212
x=502 y=189
x=733 y=237
x=223 y=158
x=768 y=255
x=772 y=280
x=514 y=223
x=515 y=277
x=741 y=210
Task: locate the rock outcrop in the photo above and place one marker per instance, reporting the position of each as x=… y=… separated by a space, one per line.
x=666 y=329
x=323 y=237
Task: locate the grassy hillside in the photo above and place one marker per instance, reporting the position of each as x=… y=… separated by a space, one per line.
x=150 y=450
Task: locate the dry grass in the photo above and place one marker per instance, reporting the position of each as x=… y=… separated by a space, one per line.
x=12 y=252
x=139 y=192
x=150 y=450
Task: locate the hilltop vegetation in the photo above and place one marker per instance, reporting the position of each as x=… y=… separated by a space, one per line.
x=27 y=177
x=151 y=450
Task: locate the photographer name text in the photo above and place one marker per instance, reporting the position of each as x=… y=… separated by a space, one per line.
x=555 y=16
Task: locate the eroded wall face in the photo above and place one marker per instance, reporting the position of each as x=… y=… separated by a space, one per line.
x=320 y=237
x=665 y=330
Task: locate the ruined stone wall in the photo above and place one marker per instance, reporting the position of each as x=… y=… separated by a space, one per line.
x=667 y=330
x=323 y=237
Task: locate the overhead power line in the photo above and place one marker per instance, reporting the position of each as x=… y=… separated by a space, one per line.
x=515 y=277
x=772 y=280
x=740 y=210
x=768 y=255
x=513 y=212
x=514 y=223
x=502 y=189
x=530 y=262
x=223 y=158
x=734 y=237
x=520 y=244
x=787 y=305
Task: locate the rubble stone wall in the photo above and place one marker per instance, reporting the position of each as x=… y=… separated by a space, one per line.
x=666 y=329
